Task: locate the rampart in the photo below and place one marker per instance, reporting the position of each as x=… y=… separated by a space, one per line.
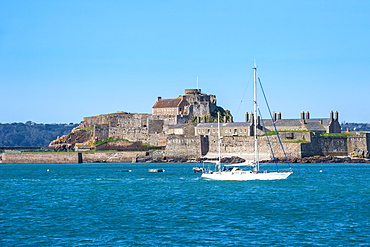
x=179 y=146
x=359 y=140
x=243 y=146
x=336 y=145
x=133 y=127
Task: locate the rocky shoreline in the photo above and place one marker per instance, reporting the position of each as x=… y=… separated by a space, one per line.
x=235 y=159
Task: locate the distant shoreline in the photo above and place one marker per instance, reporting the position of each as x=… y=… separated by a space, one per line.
x=146 y=157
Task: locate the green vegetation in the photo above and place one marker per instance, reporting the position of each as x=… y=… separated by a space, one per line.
x=223 y=113
x=335 y=134
x=31 y=134
x=109 y=139
x=213 y=117
x=90 y=128
x=301 y=140
x=271 y=133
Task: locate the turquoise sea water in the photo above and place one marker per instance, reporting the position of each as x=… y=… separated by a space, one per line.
x=94 y=205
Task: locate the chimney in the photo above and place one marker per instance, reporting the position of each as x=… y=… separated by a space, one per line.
x=302 y=114
x=307 y=115
x=336 y=116
x=246 y=117
x=274 y=116
x=279 y=115
x=158 y=98
x=331 y=115
x=251 y=118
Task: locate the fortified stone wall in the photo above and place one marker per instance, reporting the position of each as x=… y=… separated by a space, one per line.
x=201 y=110
x=167 y=120
x=130 y=134
x=296 y=135
x=244 y=146
x=155 y=126
x=132 y=127
x=183 y=147
x=326 y=145
x=359 y=141
x=103 y=119
x=333 y=145
x=183 y=119
x=156 y=139
x=101 y=131
x=130 y=121
x=310 y=149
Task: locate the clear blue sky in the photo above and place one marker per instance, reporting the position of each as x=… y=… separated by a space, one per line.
x=61 y=61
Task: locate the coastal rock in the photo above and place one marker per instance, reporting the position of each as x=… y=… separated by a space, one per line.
x=321 y=159
x=359 y=153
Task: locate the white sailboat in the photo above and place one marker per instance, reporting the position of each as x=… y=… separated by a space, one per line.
x=236 y=171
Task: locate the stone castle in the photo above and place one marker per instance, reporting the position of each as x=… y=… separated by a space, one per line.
x=186 y=127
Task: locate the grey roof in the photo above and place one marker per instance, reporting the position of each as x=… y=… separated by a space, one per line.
x=177 y=126
x=297 y=122
x=212 y=125
x=282 y=122
x=315 y=126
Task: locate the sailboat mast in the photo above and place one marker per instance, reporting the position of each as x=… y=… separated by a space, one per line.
x=219 y=138
x=256 y=158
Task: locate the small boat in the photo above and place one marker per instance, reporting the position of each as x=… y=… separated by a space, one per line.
x=124 y=171
x=199 y=169
x=156 y=170
x=236 y=171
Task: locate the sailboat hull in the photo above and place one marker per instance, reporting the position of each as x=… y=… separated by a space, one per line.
x=245 y=175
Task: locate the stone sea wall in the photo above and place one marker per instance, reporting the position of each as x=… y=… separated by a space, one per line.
x=360 y=140
x=336 y=145
x=179 y=146
x=69 y=158
x=244 y=146
x=40 y=158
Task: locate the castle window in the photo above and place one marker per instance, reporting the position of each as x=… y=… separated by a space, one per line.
x=225 y=131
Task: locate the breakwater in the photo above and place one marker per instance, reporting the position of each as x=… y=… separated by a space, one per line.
x=70 y=157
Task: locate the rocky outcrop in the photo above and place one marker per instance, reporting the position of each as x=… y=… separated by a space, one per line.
x=68 y=142
x=320 y=159
x=359 y=153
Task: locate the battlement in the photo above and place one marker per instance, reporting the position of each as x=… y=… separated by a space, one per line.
x=193 y=91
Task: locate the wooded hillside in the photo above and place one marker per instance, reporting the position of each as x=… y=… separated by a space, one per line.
x=31 y=134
